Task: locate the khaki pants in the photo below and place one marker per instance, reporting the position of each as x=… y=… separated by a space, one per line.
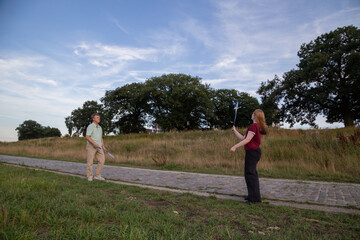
x=92 y=153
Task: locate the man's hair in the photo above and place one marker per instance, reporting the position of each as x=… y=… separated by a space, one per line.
x=94 y=114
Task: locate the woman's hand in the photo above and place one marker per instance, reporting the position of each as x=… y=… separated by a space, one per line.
x=233 y=149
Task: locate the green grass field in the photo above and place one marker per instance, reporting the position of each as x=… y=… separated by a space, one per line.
x=331 y=155
x=41 y=205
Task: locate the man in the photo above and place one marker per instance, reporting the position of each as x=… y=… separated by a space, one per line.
x=95 y=148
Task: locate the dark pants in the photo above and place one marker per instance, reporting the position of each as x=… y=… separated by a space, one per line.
x=252 y=157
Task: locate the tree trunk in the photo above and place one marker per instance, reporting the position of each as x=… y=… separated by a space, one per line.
x=348 y=119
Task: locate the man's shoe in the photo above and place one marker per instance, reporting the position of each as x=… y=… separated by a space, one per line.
x=100 y=178
x=90 y=179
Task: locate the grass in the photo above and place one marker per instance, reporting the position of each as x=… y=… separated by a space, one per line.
x=42 y=205
x=331 y=155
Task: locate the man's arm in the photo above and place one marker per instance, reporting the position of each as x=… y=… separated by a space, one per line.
x=102 y=143
x=92 y=141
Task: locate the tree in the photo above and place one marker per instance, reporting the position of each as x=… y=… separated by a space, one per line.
x=80 y=118
x=327 y=80
x=247 y=105
x=224 y=109
x=30 y=129
x=51 y=132
x=271 y=95
x=69 y=123
x=180 y=102
x=129 y=105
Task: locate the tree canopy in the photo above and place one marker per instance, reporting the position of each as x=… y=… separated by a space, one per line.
x=224 y=112
x=80 y=118
x=326 y=81
x=30 y=129
x=179 y=101
x=172 y=101
x=271 y=94
x=129 y=106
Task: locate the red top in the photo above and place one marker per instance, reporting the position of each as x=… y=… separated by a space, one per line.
x=256 y=140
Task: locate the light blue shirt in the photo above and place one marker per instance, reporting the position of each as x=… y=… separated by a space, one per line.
x=95 y=132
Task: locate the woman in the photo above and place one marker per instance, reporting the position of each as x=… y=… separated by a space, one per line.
x=251 y=142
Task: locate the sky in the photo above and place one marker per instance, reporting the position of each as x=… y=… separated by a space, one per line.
x=55 y=55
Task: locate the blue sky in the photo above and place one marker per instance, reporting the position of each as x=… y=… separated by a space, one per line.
x=55 y=55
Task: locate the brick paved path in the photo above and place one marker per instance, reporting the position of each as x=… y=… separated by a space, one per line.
x=300 y=191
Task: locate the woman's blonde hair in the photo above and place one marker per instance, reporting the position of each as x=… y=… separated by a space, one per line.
x=259 y=117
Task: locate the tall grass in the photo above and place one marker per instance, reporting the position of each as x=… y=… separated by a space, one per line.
x=310 y=154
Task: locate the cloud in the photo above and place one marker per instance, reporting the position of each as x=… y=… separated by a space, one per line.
x=25 y=68
x=37 y=87
x=129 y=64
x=98 y=64
x=114 y=59
x=29 y=81
x=170 y=41
x=214 y=82
x=196 y=30
x=254 y=40
x=113 y=53
x=117 y=24
x=340 y=18
x=234 y=48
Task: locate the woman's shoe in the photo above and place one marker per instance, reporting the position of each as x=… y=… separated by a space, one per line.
x=250 y=202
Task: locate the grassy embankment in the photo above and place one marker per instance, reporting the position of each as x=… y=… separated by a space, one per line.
x=302 y=154
x=41 y=205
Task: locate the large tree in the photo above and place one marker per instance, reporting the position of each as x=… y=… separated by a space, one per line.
x=51 y=132
x=326 y=81
x=129 y=105
x=224 y=112
x=271 y=94
x=180 y=102
x=30 y=129
x=80 y=118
